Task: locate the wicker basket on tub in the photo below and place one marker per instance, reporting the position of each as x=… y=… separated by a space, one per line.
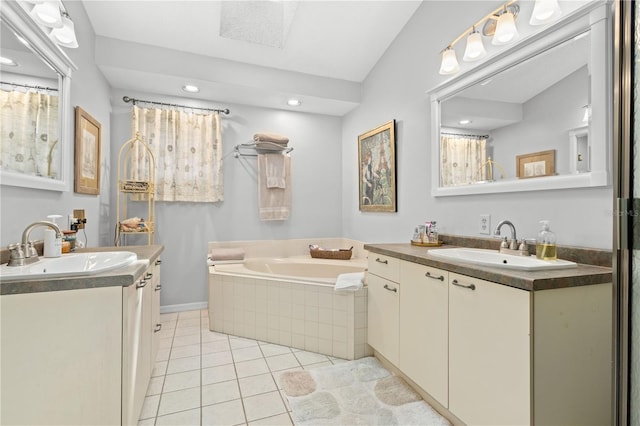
x=322 y=253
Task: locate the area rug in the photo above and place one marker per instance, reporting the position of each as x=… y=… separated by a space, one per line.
x=359 y=392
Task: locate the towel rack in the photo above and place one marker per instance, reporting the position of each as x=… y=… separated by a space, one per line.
x=237 y=150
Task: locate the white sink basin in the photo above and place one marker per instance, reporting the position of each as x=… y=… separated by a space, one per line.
x=499 y=260
x=70 y=265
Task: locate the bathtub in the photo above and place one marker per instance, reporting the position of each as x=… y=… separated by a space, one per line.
x=291 y=301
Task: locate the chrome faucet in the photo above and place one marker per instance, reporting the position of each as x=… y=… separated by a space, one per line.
x=513 y=245
x=25 y=253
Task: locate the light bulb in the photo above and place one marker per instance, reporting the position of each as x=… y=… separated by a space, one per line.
x=47 y=14
x=449 y=63
x=65 y=35
x=506 y=30
x=475 y=48
x=545 y=11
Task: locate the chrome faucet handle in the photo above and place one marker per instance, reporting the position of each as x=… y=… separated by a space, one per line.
x=16 y=255
x=513 y=245
x=31 y=249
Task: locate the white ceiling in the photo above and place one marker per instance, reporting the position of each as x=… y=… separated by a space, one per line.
x=331 y=46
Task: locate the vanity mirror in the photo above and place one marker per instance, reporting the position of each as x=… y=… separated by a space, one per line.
x=36 y=140
x=548 y=93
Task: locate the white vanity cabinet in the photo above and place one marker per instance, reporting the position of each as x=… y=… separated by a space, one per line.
x=383 y=304
x=156 y=325
x=423 y=328
x=489 y=352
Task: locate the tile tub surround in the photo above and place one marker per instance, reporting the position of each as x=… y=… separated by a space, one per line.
x=290 y=248
x=314 y=318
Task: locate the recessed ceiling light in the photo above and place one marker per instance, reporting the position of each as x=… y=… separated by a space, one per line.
x=464 y=121
x=294 y=102
x=190 y=88
x=8 y=61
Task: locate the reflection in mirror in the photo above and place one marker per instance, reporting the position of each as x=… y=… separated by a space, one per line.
x=527 y=108
x=28 y=110
x=546 y=101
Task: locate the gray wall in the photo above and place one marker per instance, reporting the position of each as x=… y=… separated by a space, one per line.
x=185 y=228
x=395 y=89
x=89 y=90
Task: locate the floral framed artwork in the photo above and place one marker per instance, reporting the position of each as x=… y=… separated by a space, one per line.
x=87 y=154
x=377 y=169
x=536 y=164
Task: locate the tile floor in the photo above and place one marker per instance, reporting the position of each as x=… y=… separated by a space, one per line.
x=205 y=378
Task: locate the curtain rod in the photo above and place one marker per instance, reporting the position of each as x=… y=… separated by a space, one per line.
x=28 y=86
x=133 y=100
x=466 y=135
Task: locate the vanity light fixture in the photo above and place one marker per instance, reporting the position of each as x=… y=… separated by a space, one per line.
x=190 y=88
x=47 y=14
x=53 y=19
x=506 y=30
x=8 y=62
x=449 y=63
x=65 y=35
x=545 y=11
x=294 y=102
x=475 y=47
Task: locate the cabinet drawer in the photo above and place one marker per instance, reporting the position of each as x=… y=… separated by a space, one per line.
x=384 y=266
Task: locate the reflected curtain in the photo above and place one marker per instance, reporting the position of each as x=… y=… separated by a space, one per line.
x=462 y=159
x=29 y=129
x=188 y=152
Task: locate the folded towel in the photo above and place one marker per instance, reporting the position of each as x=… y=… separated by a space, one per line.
x=274 y=203
x=271 y=137
x=218 y=254
x=352 y=281
x=275 y=171
x=270 y=146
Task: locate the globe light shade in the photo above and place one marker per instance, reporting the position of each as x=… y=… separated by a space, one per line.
x=65 y=35
x=475 y=48
x=545 y=11
x=506 y=30
x=47 y=14
x=449 y=63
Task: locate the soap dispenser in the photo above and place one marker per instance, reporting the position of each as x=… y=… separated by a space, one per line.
x=546 y=243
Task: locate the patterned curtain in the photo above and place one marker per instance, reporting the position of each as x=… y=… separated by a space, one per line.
x=188 y=152
x=29 y=133
x=462 y=159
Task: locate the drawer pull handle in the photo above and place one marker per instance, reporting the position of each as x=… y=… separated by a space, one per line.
x=470 y=286
x=141 y=283
x=148 y=276
x=158 y=262
x=382 y=261
x=386 y=287
x=158 y=328
x=158 y=287
x=433 y=277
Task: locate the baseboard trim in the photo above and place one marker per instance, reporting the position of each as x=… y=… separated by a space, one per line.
x=183 y=307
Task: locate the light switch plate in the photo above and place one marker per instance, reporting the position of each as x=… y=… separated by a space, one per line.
x=485 y=224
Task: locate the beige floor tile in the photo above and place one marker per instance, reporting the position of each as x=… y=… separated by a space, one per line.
x=149 y=407
x=190 y=339
x=285 y=400
x=241 y=342
x=217 y=358
x=269 y=349
x=189 y=322
x=246 y=354
x=155 y=385
x=186 y=331
x=180 y=365
x=263 y=405
x=147 y=422
x=255 y=385
x=163 y=354
x=215 y=346
x=189 y=314
x=184 y=351
x=318 y=365
x=212 y=336
x=179 y=381
x=307 y=358
x=173 y=316
x=218 y=374
x=173 y=402
x=165 y=342
x=225 y=413
x=282 y=362
x=279 y=420
x=183 y=418
x=251 y=368
x=216 y=393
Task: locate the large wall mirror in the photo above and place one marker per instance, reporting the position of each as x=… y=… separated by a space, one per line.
x=536 y=117
x=35 y=137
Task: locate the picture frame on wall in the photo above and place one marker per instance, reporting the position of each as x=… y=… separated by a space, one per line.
x=377 y=169
x=536 y=164
x=87 y=153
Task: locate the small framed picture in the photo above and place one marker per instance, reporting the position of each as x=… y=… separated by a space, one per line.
x=377 y=166
x=536 y=164
x=87 y=154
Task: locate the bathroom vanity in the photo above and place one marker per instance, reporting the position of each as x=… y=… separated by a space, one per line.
x=81 y=350
x=486 y=345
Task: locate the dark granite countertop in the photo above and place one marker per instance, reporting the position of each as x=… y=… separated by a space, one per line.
x=583 y=274
x=121 y=277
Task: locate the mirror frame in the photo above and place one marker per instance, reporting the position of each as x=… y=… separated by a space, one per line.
x=19 y=21
x=597 y=17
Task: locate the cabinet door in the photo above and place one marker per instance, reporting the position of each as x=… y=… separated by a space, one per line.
x=383 y=322
x=489 y=352
x=156 y=326
x=424 y=328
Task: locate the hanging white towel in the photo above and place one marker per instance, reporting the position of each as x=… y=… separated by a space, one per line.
x=352 y=281
x=274 y=203
x=275 y=171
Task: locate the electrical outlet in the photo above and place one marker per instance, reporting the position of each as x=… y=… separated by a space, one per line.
x=485 y=224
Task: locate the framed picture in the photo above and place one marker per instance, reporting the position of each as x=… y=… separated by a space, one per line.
x=87 y=154
x=537 y=164
x=377 y=169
